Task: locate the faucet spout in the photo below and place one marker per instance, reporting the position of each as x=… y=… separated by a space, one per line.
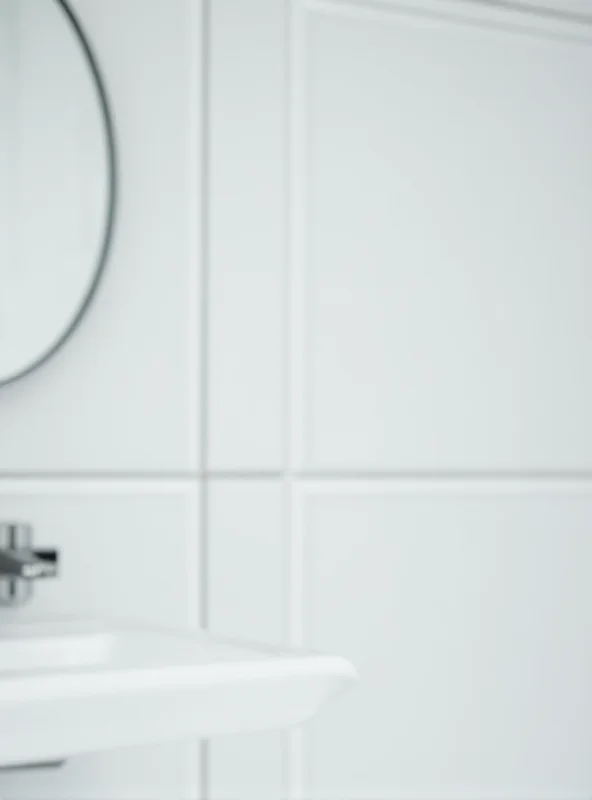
x=28 y=564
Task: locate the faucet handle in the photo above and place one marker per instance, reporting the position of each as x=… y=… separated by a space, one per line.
x=20 y=564
x=15 y=535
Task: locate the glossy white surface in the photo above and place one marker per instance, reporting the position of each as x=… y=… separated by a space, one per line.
x=467 y=612
x=445 y=205
x=247 y=260
x=30 y=648
x=248 y=560
x=150 y=686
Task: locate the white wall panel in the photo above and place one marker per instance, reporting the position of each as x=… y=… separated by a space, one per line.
x=467 y=610
x=246 y=579
x=445 y=192
x=247 y=248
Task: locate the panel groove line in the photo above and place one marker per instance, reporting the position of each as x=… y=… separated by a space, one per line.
x=297 y=241
x=293 y=752
x=96 y=486
x=509 y=17
x=297 y=475
x=445 y=476
x=204 y=105
x=205 y=102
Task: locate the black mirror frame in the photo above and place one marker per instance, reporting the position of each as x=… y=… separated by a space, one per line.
x=111 y=148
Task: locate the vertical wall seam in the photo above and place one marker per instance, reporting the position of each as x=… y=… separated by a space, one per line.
x=293 y=373
x=204 y=298
x=204 y=176
x=286 y=375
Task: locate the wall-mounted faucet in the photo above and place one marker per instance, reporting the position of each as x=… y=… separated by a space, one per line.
x=20 y=564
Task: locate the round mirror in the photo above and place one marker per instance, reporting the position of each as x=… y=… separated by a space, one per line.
x=57 y=181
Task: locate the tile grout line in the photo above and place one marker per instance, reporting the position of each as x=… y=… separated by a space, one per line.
x=293 y=578
x=203 y=367
x=286 y=378
x=204 y=105
x=191 y=476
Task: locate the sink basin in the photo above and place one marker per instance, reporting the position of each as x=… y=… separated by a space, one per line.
x=74 y=686
x=62 y=645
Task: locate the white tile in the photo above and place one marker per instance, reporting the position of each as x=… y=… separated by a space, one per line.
x=246 y=579
x=467 y=612
x=246 y=234
x=247 y=766
x=122 y=394
x=129 y=551
x=445 y=241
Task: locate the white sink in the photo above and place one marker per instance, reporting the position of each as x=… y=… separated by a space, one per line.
x=69 y=687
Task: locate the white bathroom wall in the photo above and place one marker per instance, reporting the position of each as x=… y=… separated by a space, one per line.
x=430 y=514
x=393 y=420
x=246 y=578
x=246 y=234
x=100 y=448
x=447 y=345
x=248 y=361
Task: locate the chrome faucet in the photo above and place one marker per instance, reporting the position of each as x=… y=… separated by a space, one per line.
x=20 y=564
